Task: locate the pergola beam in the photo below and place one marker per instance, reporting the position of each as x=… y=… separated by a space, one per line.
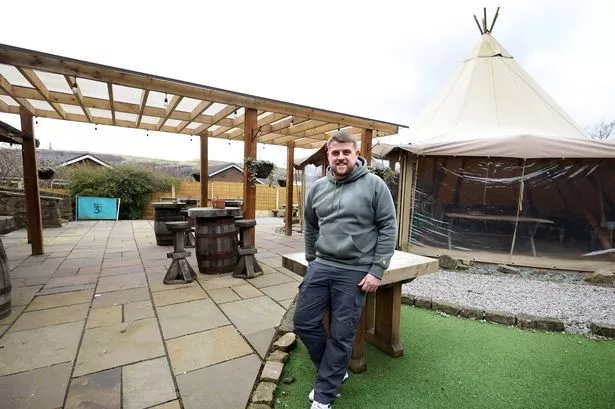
x=96 y=72
x=111 y=101
x=175 y=100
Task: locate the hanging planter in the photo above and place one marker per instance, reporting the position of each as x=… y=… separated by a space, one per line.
x=386 y=174
x=259 y=169
x=196 y=176
x=46 y=173
x=282 y=182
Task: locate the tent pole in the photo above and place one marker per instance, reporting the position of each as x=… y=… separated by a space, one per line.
x=519 y=208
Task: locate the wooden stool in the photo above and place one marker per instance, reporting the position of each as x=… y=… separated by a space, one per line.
x=180 y=271
x=247 y=266
x=189 y=240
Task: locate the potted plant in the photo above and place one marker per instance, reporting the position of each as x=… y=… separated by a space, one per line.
x=259 y=169
x=196 y=176
x=282 y=182
x=45 y=173
x=387 y=174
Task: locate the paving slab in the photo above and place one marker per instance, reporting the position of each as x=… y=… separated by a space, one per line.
x=211 y=282
x=261 y=340
x=282 y=291
x=120 y=297
x=267 y=280
x=40 y=347
x=204 y=385
x=254 y=314
x=190 y=317
x=286 y=303
x=138 y=311
x=41 y=388
x=121 y=270
x=70 y=281
x=23 y=295
x=60 y=300
x=29 y=281
x=100 y=390
x=206 y=348
x=13 y=315
x=68 y=289
x=174 y=404
x=147 y=383
x=222 y=295
x=51 y=316
x=3 y=329
x=120 y=344
x=155 y=280
x=121 y=282
x=178 y=295
x=247 y=291
x=104 y=317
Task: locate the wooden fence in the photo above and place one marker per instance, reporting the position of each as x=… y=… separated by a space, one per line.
x=267 y=197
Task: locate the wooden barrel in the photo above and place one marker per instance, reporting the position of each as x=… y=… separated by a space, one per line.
x=166 y=212
x=216 y=244
x=5 y=284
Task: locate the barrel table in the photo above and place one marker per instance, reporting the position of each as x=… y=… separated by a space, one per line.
x=166 y=212
x=216 y=238
x=5 y=284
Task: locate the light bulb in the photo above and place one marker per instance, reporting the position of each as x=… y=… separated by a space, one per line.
x=166 y=100
x=75 y=87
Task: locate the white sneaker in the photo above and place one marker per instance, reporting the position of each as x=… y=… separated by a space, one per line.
x=311 y=394
x=318 y=405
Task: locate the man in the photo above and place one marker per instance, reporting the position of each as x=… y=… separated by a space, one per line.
x=350 y=233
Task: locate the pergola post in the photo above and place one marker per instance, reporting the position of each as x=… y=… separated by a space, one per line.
x=366 y=145
x=204 y=171
x=405 y=201
x=249 y=151
x=290 y=160
x=30 y=177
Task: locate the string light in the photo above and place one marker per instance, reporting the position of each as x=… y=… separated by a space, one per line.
x=95 y=128
x=166 y=100
x=75 y=87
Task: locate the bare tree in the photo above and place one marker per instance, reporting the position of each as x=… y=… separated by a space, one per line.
x=602 y=130
x=11 y=165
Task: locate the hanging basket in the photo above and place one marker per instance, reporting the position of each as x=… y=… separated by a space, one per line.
x=196 y=176
x=46 y=174
x=282 y=182
x=262 y=169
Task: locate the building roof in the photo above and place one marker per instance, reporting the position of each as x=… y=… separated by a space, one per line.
x=87 y=156
x=65 y=88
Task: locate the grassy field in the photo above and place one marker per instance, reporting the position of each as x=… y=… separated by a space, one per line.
x=458 y=363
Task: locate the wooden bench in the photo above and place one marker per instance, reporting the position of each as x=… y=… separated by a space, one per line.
x=380 y=321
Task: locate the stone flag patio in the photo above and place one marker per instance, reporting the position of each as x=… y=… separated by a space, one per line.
x=93 y=325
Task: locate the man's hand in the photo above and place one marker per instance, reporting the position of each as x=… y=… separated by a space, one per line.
x=370 y=283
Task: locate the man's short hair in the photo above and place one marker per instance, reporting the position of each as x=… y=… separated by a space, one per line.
x=342 y=137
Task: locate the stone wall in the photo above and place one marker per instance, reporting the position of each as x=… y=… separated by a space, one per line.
x=14 y=204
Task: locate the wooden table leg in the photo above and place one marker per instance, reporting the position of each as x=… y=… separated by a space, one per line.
x=357 y=359
x=386 y=330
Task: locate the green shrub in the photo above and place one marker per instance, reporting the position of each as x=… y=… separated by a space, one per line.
x=131 y=184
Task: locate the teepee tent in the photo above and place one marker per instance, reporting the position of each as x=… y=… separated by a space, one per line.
x=494 y=160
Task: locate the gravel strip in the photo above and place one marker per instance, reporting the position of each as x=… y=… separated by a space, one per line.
x=563 y=296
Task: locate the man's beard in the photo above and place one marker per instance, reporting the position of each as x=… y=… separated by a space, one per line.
x=345 y=173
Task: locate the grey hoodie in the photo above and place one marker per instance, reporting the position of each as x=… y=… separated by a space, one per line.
x=351 y=223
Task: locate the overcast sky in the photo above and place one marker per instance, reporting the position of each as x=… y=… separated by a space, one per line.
x=380 y=59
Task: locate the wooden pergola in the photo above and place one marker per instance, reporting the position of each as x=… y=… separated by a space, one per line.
x=36 y=84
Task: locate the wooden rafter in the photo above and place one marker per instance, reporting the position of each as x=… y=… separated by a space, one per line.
x=78 y=96
x=8 y=88
x=36 y=82
x=111 y=101
x=175 y=100
x=216 y=119
x=142 y=104
x=197 y=111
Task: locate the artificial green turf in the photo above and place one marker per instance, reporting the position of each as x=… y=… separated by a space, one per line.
x=458 y=363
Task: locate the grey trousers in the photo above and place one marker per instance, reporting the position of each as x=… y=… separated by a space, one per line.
x=324 y=288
